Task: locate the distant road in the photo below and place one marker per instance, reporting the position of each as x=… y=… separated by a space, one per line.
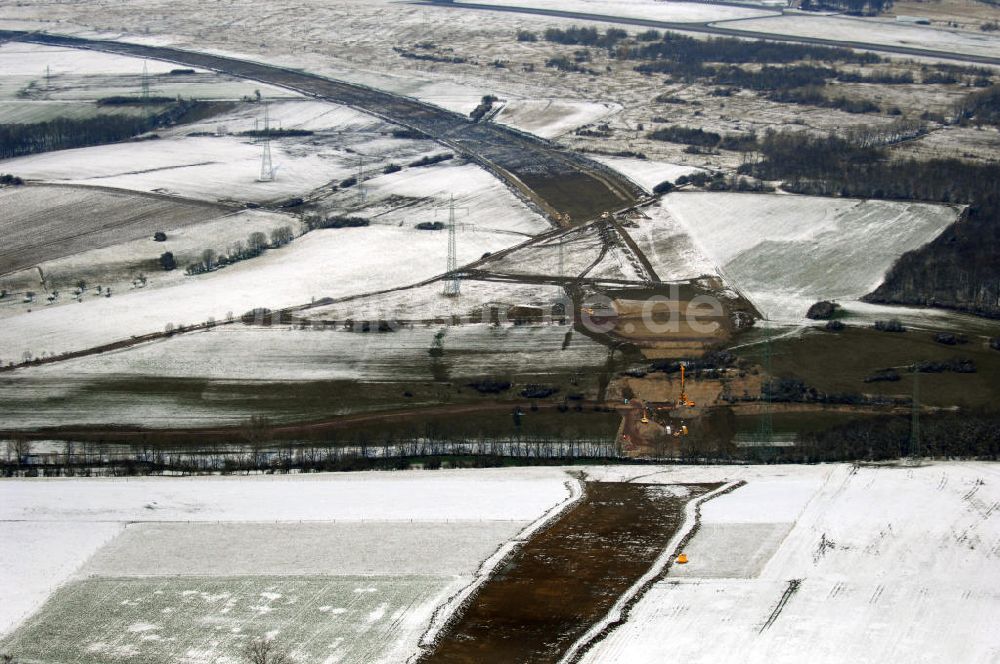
x=708 y=28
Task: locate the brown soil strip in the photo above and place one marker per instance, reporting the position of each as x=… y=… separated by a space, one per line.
x=567 y=577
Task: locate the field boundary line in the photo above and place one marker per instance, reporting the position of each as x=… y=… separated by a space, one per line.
x=619 y=612
x=447 y=612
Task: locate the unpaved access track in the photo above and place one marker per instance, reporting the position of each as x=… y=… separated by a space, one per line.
x=553 y=178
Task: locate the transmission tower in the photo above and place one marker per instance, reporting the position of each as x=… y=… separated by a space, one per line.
x=452 y=285
x=361 y=180
x=266 y=169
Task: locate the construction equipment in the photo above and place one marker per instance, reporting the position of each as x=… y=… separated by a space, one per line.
x=682 y=559
x=683 y=401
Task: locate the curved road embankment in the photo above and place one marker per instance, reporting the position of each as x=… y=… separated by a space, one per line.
x=557 y=180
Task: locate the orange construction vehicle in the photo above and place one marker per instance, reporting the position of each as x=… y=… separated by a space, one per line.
x=684 y=401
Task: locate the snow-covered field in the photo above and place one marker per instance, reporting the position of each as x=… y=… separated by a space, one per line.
x=79 y=392
x=428 y=301
x=786 y=252
x=42 y=73
x=205 y=168
x=324 y=263
x=874 y=31
x=340 y=567
x=892 y=564
x=646 y=173
x=685 y=12
x=550 y=118
x=574 y=253
x=45 y=223
x=35 y=558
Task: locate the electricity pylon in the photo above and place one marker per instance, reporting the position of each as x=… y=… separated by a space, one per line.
x=452 y=283
x=266 y=168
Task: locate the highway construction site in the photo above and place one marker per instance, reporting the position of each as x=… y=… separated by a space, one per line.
x=620 y=285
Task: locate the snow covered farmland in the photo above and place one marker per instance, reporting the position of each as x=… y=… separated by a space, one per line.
x=40 y=224
x=787 y=252
x=345 y=568
x=41 y=73
x=550 y=118
x=682 y=12
x=873 y=31
x=83 y=391
x=865 y=564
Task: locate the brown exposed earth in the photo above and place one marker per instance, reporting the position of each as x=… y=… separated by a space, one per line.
x=568 y=576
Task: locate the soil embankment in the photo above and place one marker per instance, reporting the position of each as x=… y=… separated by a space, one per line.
x=567 y=577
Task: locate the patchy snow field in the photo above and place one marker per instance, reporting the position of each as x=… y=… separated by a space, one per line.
x=550 y=118
x=483 y=204
x=645 y=172
x=428 y=302
x=83 y=391
x=786 y=252
x=44 y=223
x=893 y=563
x=344 y=618
x=874 y=31
x=357 y=583
x=117 y=265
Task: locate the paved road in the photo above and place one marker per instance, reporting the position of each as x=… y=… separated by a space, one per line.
x=709 y=28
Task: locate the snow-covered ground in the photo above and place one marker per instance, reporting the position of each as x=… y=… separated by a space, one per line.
x=206 y=168
x=550 y=118
x=41 y=73
x=786 y=252
x=323 y=263
x=646 y=173
x=892 y=564
x=76 y=391
x=358 y=582
x=668 y=247
x=20 y=59
x=684 y=12
x=874 y=31
x=429 y=496
x=429 y=302
x=35 y=558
